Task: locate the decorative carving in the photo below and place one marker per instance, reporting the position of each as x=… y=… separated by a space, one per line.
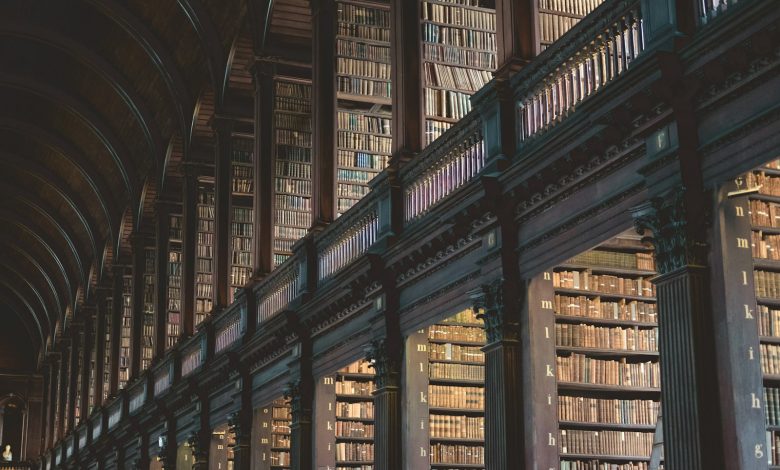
x=386 y=362
x=198 y=446
x=488 y=304
x=234 y=423
x=292 y=392
x=674 y=239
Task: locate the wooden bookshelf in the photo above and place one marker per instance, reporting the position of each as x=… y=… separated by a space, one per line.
x=459 y=54
x=274 y=435
x=556 y=17
x=107 y=364
x=293 y=164
x=125 y=334
x=607 y=364
x=765 y=244
x=221 y=450
x=149 y=307
x=241 y=214
x=204 y=254
x=446 y=390
x=363 y=137
x=174 y=272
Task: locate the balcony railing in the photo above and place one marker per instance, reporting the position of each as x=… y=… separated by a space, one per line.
x=162 y=379
x=711 y=9
x=192 y=359
x=280 y=290
x=590 y=55
x=447 y=164
x=229 y=330
x=352 y=244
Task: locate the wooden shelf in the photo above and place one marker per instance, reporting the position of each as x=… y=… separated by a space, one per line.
x=591 y=293
x=603 y=321
x=457 y=382
x=346 y=397
x=457 y=465
x=765 y=198
x=456 y=411
x=459 y=343
x=605 y=426
x=768 y=301
x=607 y=270
x=770 y=230
x=468 y=363
x=617 y=458
x=769 y=339
x=763 y=263
x=468 y=325
x=358 y=420
x=355 y=439
x=575 y=386
x=348 y=375
x=458 y=440
x=606 y=351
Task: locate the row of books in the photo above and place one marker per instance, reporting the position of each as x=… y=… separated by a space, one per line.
x=457 y=454
x=579 y=368
x=577 y=7
x=363 y=68
x=627 y=443
x=773 y=446
x=459 y=37
x=615 y=259
x=240 y=275
x=457 y=426
x=175 y=222
x=364 y=32
x=353 y=387
x=458 y=56
x=454 y=15
x=770 y=359
x=355 y=191
x=603 y=283
x=457 y=333
x=359 y=50
x=204 y=278
x=765 y=246
x=360 y=122
x=205 y=239
x=441 y=370
x=361 y=410
x=293 y=169
x=552 y=26
x=767 y=283
x=434 y=129
x=355 y=451
x=764 y=214
x=298 y=219
x=242 y=150
x=768 y=184
x=604 y=410
x=206 y=225
x=284 y=201
x=355 y=176
x=355 y=429
x=243 y=214
x=359 y=14
x=204 y=265
x=289 y=233
x=455 y=352
x=358 y=367
x=467 y=316
x=590 y=336
x=295 y=186
x=458 y=78
x=621 y=310
x=456 y=396
x=293 y=137
x=362 y=141
x=446 y=103
x=280 y=459
x=292 y=122
x=772 y=405
x=361 y=160
x=280 y=440
x=206 y=199
x=241 y=244
x=241 y=229
x=768 y=321
x=299 y=91
x=204 y=289
x=364 y=87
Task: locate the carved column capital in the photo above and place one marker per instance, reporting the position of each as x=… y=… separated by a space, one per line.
x=385 y=362
x=199 y=445
x=676 y=235
x=488 y=303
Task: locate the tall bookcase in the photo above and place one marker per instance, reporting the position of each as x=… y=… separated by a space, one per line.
x=125 y=331
x=345 y=418
x=606 y=348
x=765 y=232
x=173 y=324
x=363 y=99
x=558 y=16
x=274 y=436
x=241 y=214
x=91 y=390
x=458 y=52
x=221 y=452
x=77 y=411
x=150 y=276
x=293 y=164
x=204 y=261
x=107 y=364
x=445 y=391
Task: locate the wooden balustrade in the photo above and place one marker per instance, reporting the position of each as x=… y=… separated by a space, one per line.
x=282 y=289
x=354 y=242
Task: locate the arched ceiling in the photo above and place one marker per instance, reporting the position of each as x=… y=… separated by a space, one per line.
x=97 y=101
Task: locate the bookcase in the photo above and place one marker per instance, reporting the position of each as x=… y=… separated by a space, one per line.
x=765 y=244
x=363 y=143
x=558 y=16
x=147 y=336
x=274 y=436
x=606 y=356
x=173 y=324
x=77 y=411
x=221 y=449
x=293 y=164
x=446 y=391
x=345 y=418
x=204 y=260
x=126 y=330
x=91 y=390
x=459 y=54
x=107 y=364
x=241 y=214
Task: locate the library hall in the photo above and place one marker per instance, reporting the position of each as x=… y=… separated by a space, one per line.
x=390 y=235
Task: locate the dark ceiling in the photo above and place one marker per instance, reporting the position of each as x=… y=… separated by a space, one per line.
x=99 y=102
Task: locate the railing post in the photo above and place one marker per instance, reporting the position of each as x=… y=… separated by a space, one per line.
x=667 y=23
x=496 y=105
